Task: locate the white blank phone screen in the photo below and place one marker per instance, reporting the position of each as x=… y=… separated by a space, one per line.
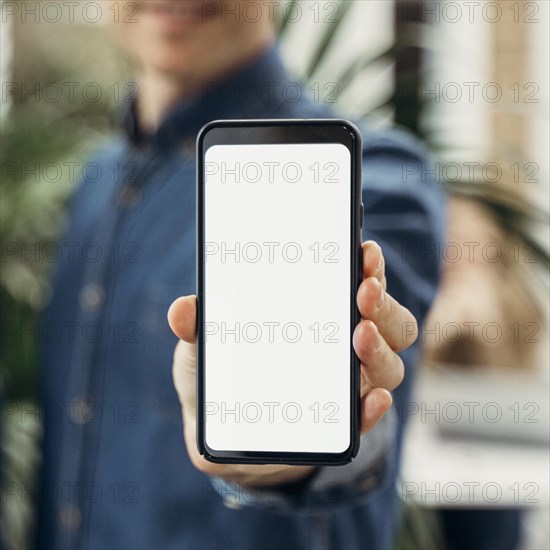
x=277 y=297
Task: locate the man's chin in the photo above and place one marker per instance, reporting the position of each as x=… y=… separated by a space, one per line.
x=175 y=16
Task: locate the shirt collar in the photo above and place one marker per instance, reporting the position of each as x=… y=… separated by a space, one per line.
x=255 y=91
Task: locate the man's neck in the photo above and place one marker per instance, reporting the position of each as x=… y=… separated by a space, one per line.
x=159 y=91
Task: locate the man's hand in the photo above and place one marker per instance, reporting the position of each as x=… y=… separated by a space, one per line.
x=377 y=339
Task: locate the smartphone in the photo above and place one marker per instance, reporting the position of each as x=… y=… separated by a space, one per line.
x=279 y=262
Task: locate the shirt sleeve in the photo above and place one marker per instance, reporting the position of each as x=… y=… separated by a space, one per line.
x=329 y=488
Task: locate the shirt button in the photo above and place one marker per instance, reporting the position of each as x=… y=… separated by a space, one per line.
x=232 y=502
x=129 y=196
x=91 y=297
x=188 y=146
x=69 y=517
x=82 y=411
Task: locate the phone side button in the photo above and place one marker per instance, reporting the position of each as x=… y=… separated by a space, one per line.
x=362 y=215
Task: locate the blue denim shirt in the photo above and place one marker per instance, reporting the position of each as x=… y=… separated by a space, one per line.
x=116 y=473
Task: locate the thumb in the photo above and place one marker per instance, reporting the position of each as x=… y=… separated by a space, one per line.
x=184 y=373
x=182 y=318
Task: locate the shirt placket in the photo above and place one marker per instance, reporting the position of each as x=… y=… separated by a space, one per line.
x=86 y=371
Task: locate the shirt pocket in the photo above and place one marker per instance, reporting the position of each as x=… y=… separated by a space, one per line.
x=157 y=349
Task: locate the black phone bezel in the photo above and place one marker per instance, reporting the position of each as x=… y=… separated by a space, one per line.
x=276 y=131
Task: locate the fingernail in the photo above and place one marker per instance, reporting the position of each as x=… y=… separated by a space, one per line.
x=381 y=296
x=380 y=263
x=378 y=341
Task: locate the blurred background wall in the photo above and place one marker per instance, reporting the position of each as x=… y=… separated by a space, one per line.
x=471 y=78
